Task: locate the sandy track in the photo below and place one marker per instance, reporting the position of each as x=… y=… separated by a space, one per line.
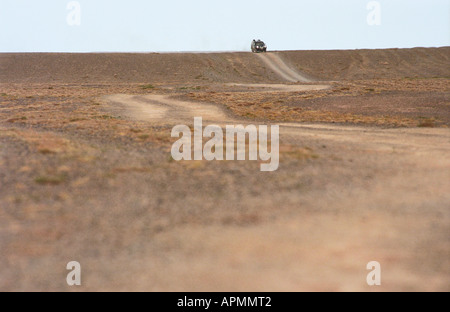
x=281 y=68
x=162 y=109
x=261 y=87
x=416 y=139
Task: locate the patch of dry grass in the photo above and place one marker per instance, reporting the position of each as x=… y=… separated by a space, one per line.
x=427 y=123
x=297 y=153
x=272 y=107
x=50 y=180
x=74 y=109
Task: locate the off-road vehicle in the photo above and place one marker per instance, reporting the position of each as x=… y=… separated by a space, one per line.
x=258 y=46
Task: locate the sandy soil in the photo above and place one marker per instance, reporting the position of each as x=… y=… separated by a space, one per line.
x=86 y=173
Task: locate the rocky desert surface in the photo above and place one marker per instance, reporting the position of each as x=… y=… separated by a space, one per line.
x=86 y=172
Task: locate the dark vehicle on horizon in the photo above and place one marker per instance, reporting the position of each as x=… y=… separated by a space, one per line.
x=258 y=46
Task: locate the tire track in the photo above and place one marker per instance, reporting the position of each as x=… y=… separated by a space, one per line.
x=163 y=109
x=279 y=66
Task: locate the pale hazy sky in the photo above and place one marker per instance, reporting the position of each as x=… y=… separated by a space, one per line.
x=210 y=25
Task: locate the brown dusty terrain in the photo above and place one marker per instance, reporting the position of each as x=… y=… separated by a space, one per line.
x=86 y=172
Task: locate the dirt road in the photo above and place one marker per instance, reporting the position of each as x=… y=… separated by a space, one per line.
x=164 y=109
x=273 y=60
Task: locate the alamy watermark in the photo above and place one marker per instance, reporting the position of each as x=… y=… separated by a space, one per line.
x=374 y=16
x=74 y=16
x=213 y=149
x=374 y=276
x=74 y=276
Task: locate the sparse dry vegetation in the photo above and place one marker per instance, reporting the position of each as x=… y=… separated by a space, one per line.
x=78 y=180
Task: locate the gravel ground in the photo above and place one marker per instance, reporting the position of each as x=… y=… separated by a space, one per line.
x=364 y=174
